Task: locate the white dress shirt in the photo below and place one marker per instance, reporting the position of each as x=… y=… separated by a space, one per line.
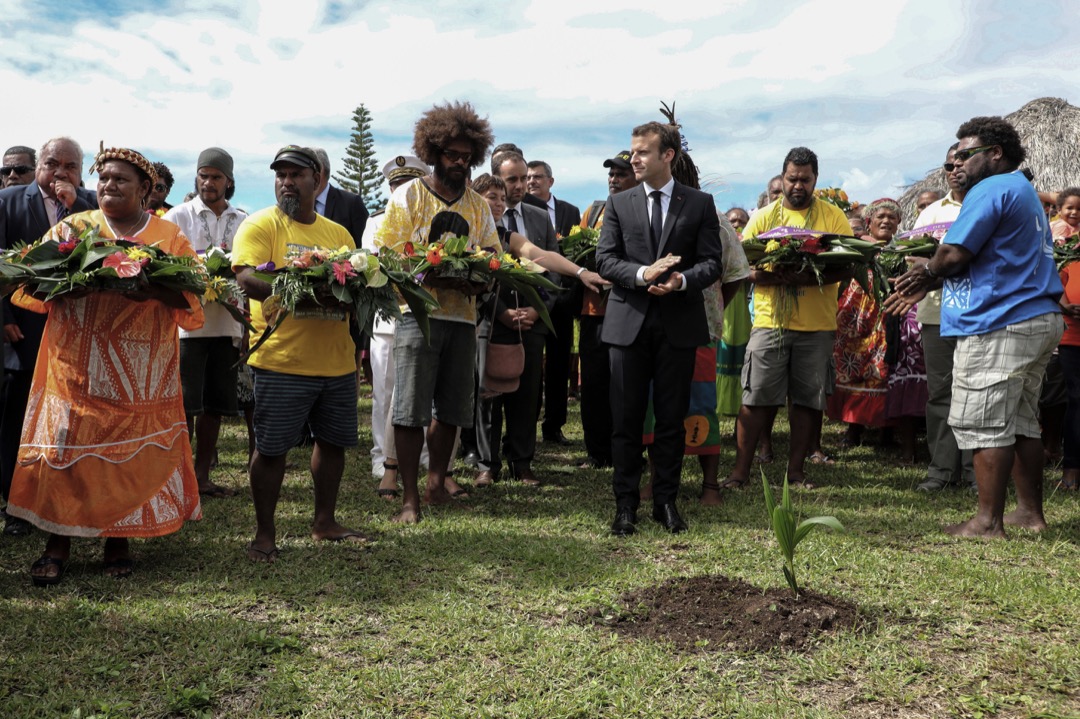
x=665 y=203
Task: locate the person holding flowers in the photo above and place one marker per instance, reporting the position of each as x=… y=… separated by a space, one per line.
x=305 y=371
x=105 y=450
x=789 y=355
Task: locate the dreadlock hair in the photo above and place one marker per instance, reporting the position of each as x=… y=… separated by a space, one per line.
x=683 y=168
x=995 y=131
x=443 y=124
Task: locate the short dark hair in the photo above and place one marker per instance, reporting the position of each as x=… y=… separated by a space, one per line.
x=668 y=134
x=485 y=182
x=443 y=124
x=499 y=158
x=540 y=163
x=164 y=174
x=995 y=131
x=1066 y=193
x=733 y=209
x=800 y=156
x=508 y=147
x=22 y=150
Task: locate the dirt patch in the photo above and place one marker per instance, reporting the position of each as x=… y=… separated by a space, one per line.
x=715 y=613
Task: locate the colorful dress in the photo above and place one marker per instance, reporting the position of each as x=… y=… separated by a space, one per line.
x=859 y=353
x=908 y=392
x=105 y=449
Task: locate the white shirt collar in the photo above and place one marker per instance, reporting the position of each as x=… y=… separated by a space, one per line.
x=320 y=199
x=667 y=189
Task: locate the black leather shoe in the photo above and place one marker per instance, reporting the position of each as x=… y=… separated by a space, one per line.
x=557 y=437
x=668 y=516
x=15 y=527
x=472 y=458
x=625 y=521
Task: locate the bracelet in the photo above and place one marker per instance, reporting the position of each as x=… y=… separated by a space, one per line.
x=929 y=272
x=580 y=270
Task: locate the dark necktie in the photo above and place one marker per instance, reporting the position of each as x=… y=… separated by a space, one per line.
x=61 y=211
x=657 y=220
x=511 y=220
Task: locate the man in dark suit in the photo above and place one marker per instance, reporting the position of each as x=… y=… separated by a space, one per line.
x=660 y=246
x=345 y=208
x=26 y=213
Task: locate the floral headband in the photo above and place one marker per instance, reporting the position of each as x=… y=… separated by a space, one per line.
x=125 y=155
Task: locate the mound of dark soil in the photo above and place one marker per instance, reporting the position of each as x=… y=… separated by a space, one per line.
x=716 y=613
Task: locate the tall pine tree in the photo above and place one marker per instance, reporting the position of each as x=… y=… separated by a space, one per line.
x=361 y=172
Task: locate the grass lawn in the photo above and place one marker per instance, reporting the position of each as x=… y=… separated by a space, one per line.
x=480 y=610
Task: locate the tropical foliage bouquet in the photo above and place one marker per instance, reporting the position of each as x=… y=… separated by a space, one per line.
x=919 y=242
x=1066 y=251
x=798 y=250
x=222 y=287
x=452 y=259
x=836 y=196
x=83 y=260
x=580 y=246
x=364 y=281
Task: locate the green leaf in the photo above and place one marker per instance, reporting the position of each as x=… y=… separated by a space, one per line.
x=783 y=521
x=770 y=500
x=789 y=575
x=785 y=497
x=807 y=525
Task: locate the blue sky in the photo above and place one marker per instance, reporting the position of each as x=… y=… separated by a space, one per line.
x=876 y=89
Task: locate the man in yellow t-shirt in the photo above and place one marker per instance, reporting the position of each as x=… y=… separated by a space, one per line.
x=434 y=377
x=789 y=358
x=306 y=371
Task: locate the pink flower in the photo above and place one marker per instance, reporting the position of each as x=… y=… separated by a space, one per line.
x=68 y=246
x=123 y=265
x=343 y=271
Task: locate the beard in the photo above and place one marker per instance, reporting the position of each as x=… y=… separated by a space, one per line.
x=799 y=200
x=455 y=180
x=290 y=205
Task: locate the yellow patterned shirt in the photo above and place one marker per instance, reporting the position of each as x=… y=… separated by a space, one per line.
x=416 y=214
x=815 y=308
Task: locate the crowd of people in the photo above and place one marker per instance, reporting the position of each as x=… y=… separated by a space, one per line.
x=106 y=392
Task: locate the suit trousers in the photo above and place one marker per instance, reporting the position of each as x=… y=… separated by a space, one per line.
x=595 y=389
x=518 y=407
x=16 y=394
x=557 y=369
x=947 y=462
x=650 y=362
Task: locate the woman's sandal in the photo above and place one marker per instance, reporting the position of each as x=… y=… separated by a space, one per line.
x=709 y=487
x=44 y=580
x=1068 y=485
x=734 y=483
x=820 y=457
x=387 y=493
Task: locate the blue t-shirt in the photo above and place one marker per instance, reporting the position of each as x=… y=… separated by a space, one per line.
x=1012 y=276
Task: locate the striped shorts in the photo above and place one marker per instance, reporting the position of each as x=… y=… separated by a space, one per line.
x=285 y=402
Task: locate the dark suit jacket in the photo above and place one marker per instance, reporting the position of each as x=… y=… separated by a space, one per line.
x=691 y=231
x=23 y=219
x=348 y=210
x=566 y=217
x=538 y=230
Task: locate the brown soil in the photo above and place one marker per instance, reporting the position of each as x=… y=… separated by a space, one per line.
x=715 y=613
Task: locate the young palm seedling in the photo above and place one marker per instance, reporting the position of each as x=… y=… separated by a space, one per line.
x=789 y=531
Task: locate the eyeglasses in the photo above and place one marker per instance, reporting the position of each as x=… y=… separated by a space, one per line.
x=455 y=156
x=17 y=169
x=965 y=155
x=161 y=187
x=948 y=167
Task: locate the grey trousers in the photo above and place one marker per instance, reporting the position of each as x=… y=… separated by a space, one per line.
x=947 y=462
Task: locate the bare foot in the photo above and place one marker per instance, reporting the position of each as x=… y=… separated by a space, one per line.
x=975 y=528
x=1026 y=519
x=117 y=558
x=710 y=496
x=800 y=483
x=338 y=533
x=438 y=495
x=455 y=490
x=407 y=515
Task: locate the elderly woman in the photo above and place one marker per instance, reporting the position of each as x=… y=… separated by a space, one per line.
x=105 y=449
x=859 y=350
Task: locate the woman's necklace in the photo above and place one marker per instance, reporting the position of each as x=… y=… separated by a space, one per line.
x=132 y=230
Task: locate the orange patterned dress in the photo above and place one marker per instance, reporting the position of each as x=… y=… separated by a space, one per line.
x=105 y=449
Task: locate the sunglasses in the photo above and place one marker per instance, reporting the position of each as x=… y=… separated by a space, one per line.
x=455 y=156
x=964 y=155
x=17 y=169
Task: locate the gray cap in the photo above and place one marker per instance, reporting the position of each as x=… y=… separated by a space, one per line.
x=218 y=159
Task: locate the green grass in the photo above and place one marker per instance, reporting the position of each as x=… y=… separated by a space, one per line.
x=476 y=612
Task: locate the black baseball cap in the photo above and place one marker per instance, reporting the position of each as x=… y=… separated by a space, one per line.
x=296 y=155
x=621 y=160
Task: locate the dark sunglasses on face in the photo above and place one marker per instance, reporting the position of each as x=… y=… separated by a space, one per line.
x=948 y=167
x=455 y=156
x=17 y=169
x=965 y=155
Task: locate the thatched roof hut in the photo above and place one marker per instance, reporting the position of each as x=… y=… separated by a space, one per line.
x=1049 y=127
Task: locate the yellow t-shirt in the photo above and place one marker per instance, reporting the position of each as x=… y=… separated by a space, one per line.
x=415 y=214
x=815 y=307
x=313 y=343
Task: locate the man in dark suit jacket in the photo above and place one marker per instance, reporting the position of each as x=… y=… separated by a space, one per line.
x=345 y=208
x=26 y=213
x=660 y=246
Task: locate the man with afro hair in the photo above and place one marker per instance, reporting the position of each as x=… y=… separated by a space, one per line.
x=434 y=381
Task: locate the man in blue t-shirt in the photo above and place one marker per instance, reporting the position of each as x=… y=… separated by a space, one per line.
x=1000 y=300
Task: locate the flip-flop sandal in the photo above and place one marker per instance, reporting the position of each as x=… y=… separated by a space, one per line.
x=734 y=483
x=122 y=568
x=267 y=556
x=1067 y=485
x=709 y=487
x=47 y=561
x=821 y=458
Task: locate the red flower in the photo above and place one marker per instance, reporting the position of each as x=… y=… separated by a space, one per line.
x=410 y=250
x=68 y=246
x=433 y=257
x=784 y=242
x=813 y=246
x=494 y=264
x=123 y=265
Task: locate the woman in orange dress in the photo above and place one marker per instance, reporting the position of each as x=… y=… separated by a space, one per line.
x=105 y=450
